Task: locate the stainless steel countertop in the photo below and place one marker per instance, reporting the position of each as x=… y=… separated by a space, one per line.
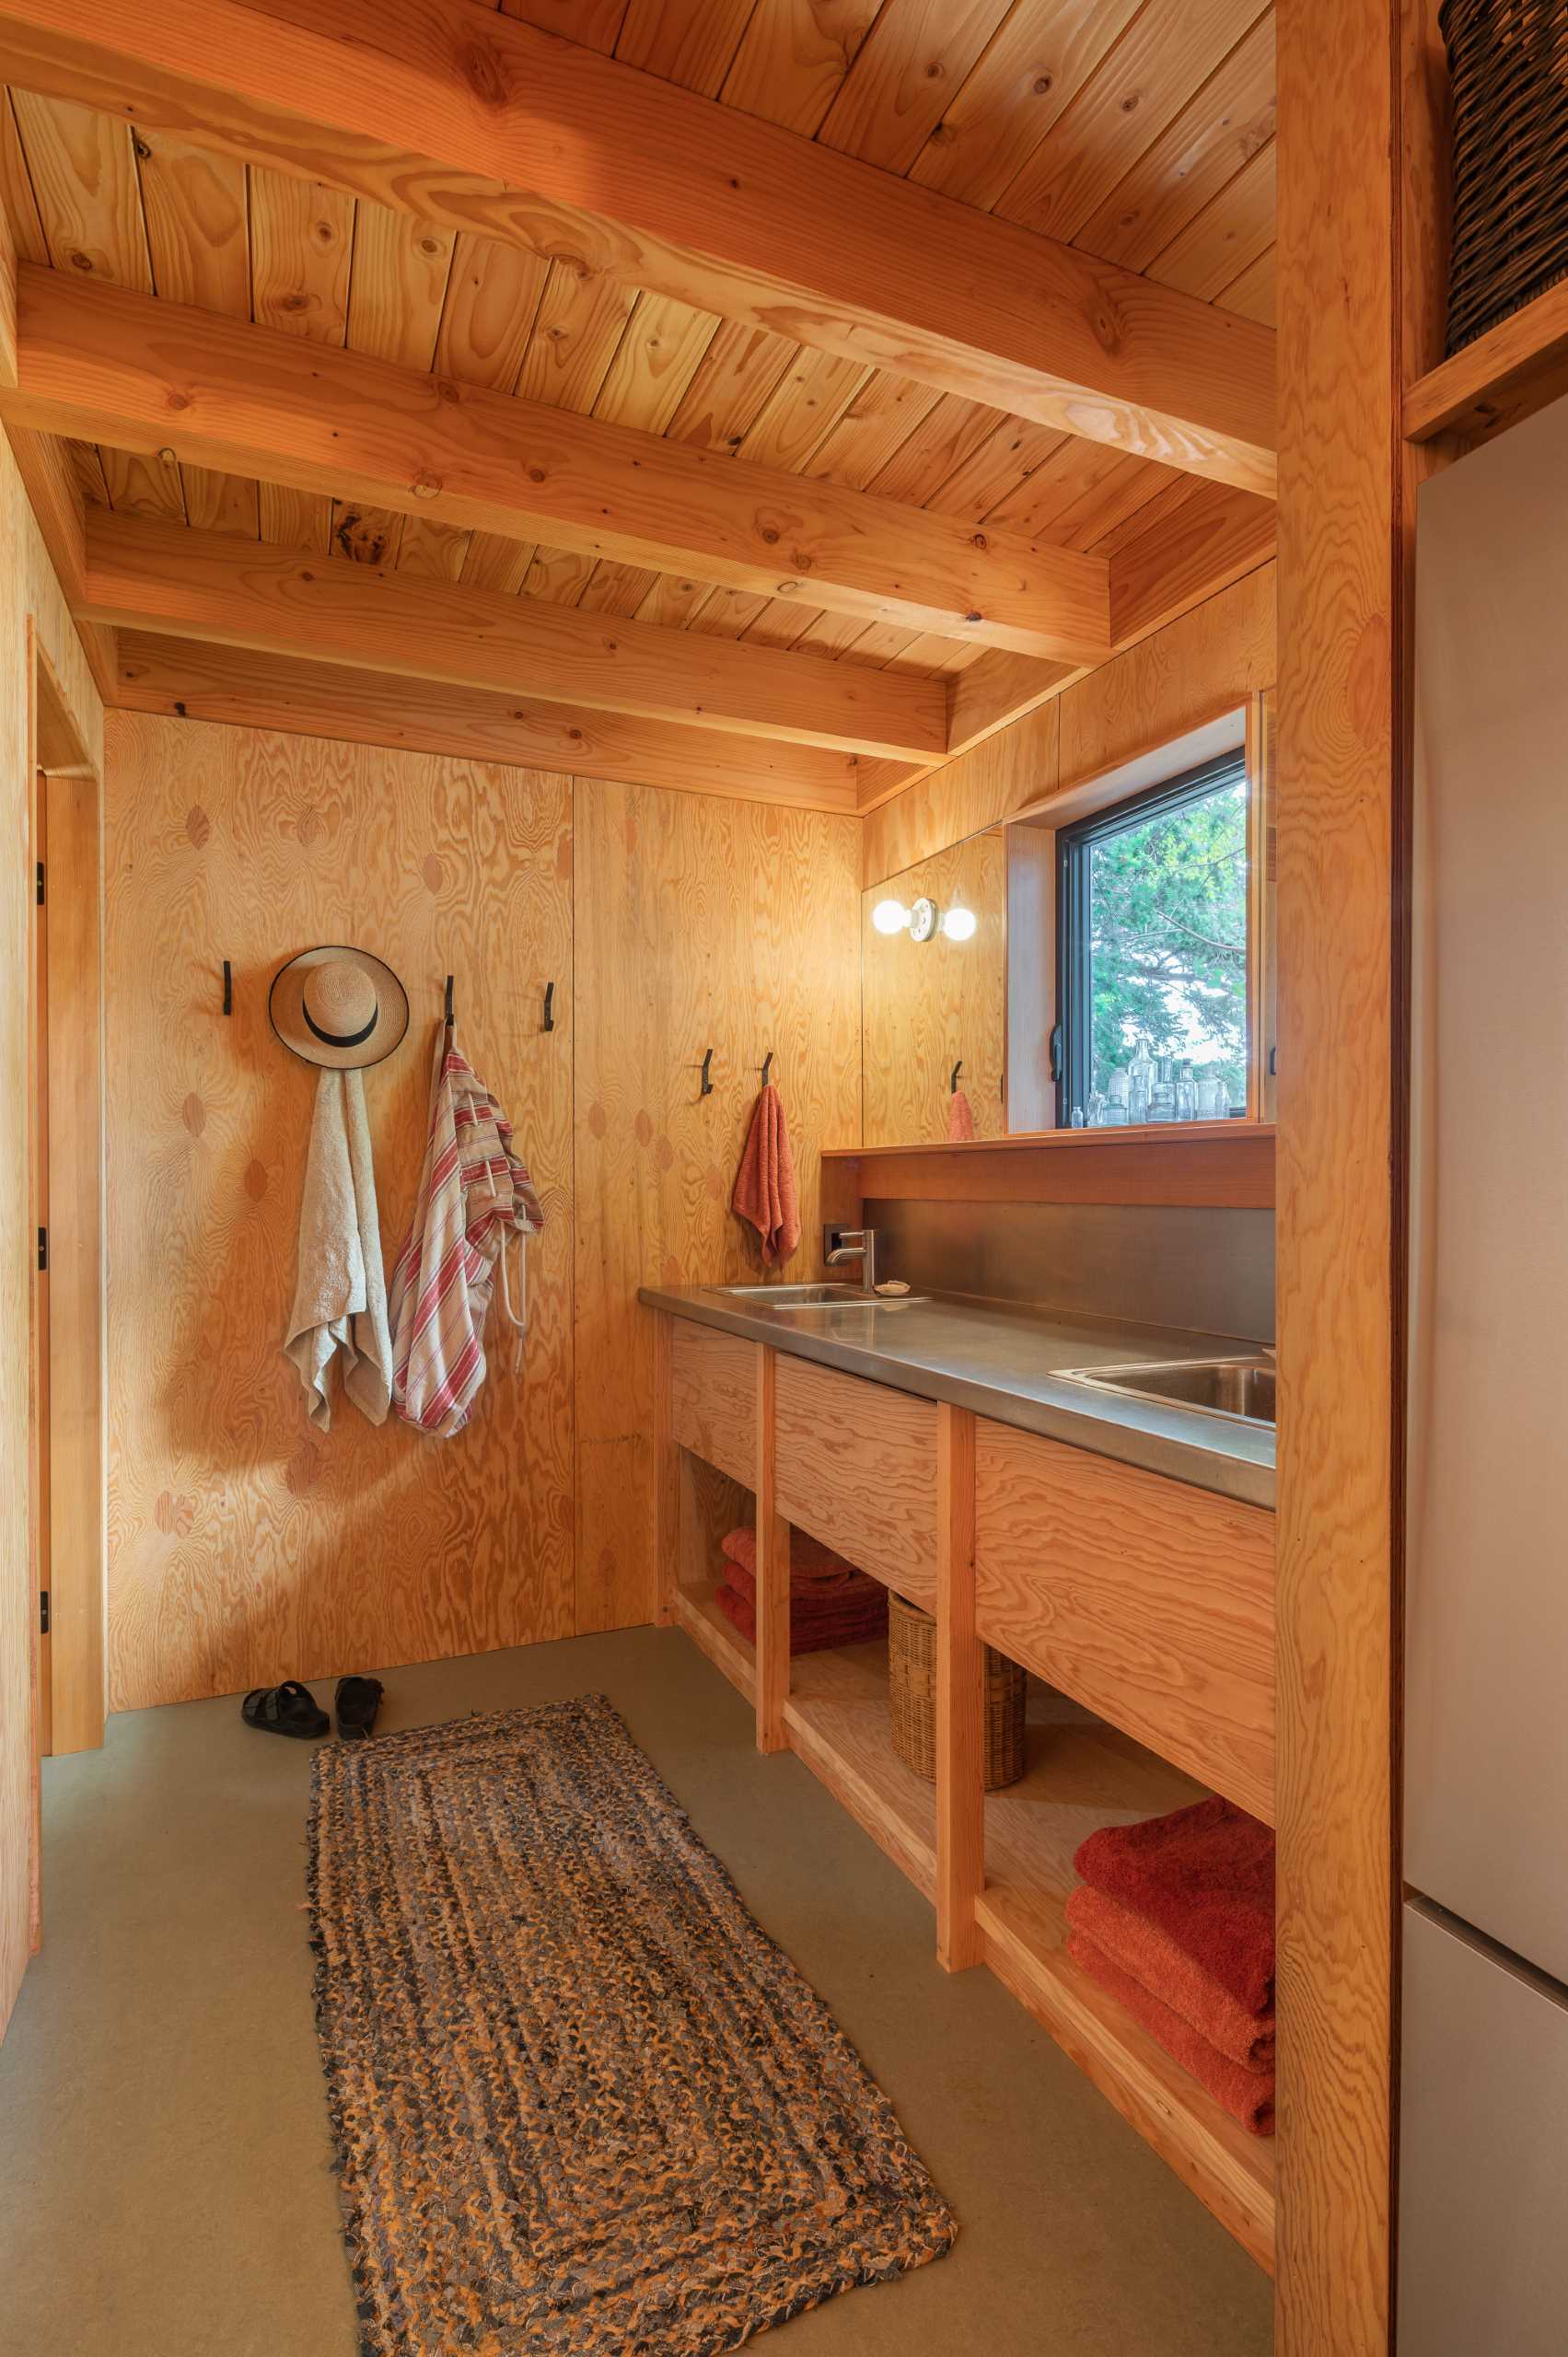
x=1006 y=1364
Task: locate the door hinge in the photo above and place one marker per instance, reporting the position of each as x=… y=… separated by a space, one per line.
x=42 y=1249
x=40 y=883
x=43 y=1612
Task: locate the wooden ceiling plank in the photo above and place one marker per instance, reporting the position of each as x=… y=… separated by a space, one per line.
x=16 y=199
x=693 y=43
x=82 y=165
x=475 y=120
x=87 y=466
x=581 y=319
x=617 y=589
x=141 y=483
x=875 y=426
x=593 y=24
x=1218 y=132
x=220 y=502
x=191 y=680
x=144 y=376
x=198 y=232
x=1234 y=230
x=495 y=564
x=492 y=296
x=996 y=470
x=656 y=358
x=397 y=285
x=1252 y=293
x=803 y=408
x=8 y=302
x=1030 y=74
x=1167 y=53
x=301 y=249
x=916 y=52
x=288 y=602
x=438 y=551
x=739 y=374
x=673 y=600
x=559 y=576
x=780 y=623
x=794 y=56
x=938 y=446
x=294 y=519
x=361 y=534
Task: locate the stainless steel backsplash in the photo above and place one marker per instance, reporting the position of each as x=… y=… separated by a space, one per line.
x=1210 y=1271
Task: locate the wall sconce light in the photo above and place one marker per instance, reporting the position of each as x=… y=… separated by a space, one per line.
x=924 y=921
x=889 y=916
x=960 y=925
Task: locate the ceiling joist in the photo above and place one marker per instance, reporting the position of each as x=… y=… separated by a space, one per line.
x=166 y=577
x=189 y=680
x=466 y=118
x=108 y=365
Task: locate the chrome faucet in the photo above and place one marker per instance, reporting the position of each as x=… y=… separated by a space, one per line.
x=853 y=1244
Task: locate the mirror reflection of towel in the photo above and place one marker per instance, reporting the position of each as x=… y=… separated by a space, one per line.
x=960 y=1117
x=340 y=1296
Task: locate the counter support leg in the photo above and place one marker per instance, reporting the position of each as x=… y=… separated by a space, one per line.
x=773 y=1575
x=667 y=1477
x=961 y=1699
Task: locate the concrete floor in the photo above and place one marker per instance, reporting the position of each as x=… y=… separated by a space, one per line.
x=164 y=2179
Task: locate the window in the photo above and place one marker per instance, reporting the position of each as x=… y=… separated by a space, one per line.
x=1152 y=955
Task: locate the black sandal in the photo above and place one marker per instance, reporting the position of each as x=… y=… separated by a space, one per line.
x=359 y=1698
x=288 y=1709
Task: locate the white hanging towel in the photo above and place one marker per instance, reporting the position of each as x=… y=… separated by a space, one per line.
x=340 y=1296
x=475 y=1191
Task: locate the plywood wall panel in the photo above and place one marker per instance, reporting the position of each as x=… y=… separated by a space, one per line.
x=927 y=1005
x=701 y=923
x=1003 y=773
x=245 y=1545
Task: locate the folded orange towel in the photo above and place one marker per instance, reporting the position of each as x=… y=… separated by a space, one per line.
x=1248 y=2095
x=764 y=1185
x=960 y=1117
x=1152 y=1956
x=810 y=1563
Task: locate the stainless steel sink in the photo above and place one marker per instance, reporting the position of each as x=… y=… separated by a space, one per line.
x=810 y=1297
x=1242 y=1388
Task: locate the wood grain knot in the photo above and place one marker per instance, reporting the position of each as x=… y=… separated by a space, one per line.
x=193 y=1113
x=434 y=873
x=598 y=1120
x=257 y=1180
x=713 y=1182
x=664 y=1155
x=174 y=1514
x=303 y=1470
x=642 y=1128
x=198 y=827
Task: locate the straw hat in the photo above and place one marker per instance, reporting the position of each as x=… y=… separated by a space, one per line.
x=338 y=1006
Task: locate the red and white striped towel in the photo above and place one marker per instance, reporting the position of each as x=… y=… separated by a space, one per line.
x=474 y=1191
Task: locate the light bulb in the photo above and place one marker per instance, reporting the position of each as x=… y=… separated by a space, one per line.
x=889 y=916
x=958 y=924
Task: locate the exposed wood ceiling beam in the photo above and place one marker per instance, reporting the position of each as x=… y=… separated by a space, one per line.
x=106 y=364
x=991 y=693
x=56 y=504
x=467 y=118
x=194 y=681
x=292 y=601
x=1197 y=550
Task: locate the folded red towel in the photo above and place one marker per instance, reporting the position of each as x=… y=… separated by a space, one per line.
x=1205 y=1876
x=810 y=1563
x=1248 y=2095
x=813 y=1637
x=764 y=1185
x=1152 y=1956
x=857 y=1598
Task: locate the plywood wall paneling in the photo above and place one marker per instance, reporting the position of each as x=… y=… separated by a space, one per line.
x=246 y=1546
x=927 y=1005
x=701 y=923
x=1223 y=649
x=1341 y=1097
x=1016 y=766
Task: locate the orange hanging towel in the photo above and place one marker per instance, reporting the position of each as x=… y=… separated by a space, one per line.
x=764 y=1186
x=960 y=1117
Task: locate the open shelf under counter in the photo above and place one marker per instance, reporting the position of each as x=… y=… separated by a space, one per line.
x=840 y=1724
x=1082 y=1774
x=697 y=1611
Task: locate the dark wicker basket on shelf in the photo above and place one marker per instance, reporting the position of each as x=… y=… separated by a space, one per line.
x=912 y=1680
x=1508 y=70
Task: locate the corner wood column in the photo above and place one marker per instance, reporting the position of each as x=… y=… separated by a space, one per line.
x=667 y=1475
x=772 y=1573
x=961 y=1699
x=1341 y=782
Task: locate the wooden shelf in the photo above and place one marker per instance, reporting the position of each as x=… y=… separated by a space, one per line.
x=1203 y=1163
x=838 y=1719
x=1082 y=1774
x=1504 y=376
x=697 y=1610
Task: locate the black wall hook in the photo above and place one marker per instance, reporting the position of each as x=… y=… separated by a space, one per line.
x=228 y=987
x=767 y=1066
x=449 y=1019
x=953 y=1083
x=548 y=1006
x=707 y=1087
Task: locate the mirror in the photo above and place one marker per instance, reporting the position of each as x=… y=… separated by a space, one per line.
x=933 y=967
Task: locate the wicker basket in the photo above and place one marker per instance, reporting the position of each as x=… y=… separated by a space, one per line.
x=1508 y=69
x=912 y=1678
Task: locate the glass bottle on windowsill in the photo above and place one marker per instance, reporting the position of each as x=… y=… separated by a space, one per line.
x=1139 y=1079
x=1162 y=1093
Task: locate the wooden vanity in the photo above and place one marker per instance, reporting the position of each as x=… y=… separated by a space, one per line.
x=1144 y=1605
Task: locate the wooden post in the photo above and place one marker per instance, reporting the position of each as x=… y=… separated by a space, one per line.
x=667 y=1475
x=961 y=1699
x=772 y=1573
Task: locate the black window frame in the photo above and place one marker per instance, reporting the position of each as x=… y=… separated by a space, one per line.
x=1071 y=1062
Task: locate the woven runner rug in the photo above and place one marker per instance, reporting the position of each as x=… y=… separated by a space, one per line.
x=582 y=2106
